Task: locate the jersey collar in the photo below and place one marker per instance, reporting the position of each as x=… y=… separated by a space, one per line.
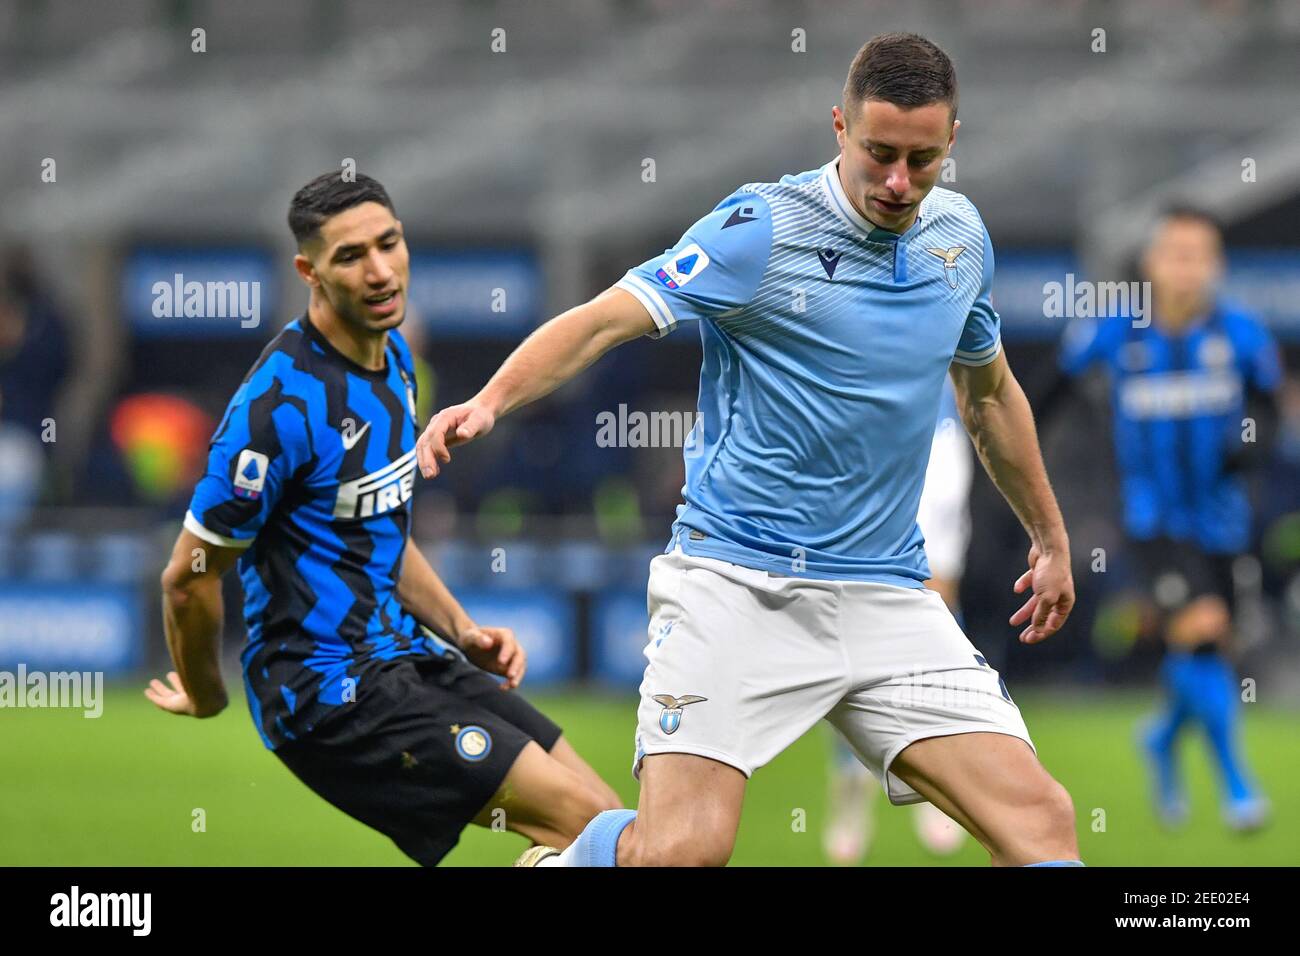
x=839 y=203
x=375 y=375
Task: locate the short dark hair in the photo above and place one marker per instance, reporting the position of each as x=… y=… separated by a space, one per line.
x=328 y=195
x=904 y=69
x=1181 y=209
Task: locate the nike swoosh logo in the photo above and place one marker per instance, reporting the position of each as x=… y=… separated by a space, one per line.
x=348 y=443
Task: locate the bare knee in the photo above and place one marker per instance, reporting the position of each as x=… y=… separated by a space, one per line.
x=1205 y=619
x=1044 y=828
x=1059 y=811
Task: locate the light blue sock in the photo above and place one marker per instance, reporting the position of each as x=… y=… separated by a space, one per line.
x=597 y=845
x=1058 y=863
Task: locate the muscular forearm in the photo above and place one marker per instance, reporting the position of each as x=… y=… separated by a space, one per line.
x=555 y=353
x=1001 y=425
x=192 y=620
x=427 y=598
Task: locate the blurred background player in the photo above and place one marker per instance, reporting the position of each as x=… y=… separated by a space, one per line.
x=1193 y=387
x=944 y=518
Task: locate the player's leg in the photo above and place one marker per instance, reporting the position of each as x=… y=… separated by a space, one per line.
x=1203 y=681
x=549 y=793
x=851 y=813
x=935 y=722
x=544 y=800
x=993 y=784
x=563 y=752
x=687 y=815
x=431 y=745
x=740 y=664
x=1158 y=739
x=1244 y=806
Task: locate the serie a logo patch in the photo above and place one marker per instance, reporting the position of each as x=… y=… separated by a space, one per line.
x=683 y=267
x=250 y=474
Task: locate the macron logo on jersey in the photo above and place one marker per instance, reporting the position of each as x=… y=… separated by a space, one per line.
x=250 y=474
x=379 y=491
x=683 y=267
x=739 y=216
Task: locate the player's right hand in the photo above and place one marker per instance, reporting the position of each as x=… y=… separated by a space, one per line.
x=174 y=699
x=452 y=426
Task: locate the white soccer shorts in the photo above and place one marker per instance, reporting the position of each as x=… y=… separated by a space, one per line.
x=743 y=662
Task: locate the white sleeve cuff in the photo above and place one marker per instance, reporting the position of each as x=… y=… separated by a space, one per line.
x=982 y=357
x=211 y=537
x=654 y=303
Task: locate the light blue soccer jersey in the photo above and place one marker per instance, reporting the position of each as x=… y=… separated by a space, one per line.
x=826 y=343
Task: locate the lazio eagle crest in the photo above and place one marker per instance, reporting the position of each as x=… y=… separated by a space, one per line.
x=670 y=718
x=949 y=257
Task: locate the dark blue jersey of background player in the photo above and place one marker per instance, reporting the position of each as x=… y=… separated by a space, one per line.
x=1193 y=400
x=1179 y=401
x=312 y=470
x=1185 y=378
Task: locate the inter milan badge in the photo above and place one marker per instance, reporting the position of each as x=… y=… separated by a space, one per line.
x=670 y=718
x=949 y=257
x=472 y=742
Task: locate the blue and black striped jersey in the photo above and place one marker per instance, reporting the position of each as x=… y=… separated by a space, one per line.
x=311 y=470
x=1178 y=402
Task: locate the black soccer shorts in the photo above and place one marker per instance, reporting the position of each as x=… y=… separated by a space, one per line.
x=1176 y=572
x=426 y=745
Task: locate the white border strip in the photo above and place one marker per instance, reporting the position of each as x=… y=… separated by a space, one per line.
x=211 y=537
x=978 y=358
x=654 y=303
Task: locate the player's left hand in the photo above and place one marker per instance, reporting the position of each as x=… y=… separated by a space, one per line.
x=1052 y=599
x=496 y=651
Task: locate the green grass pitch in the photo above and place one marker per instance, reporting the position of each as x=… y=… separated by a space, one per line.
x=122 y=790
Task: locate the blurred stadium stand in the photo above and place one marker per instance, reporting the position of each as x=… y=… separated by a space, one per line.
x=523 y=170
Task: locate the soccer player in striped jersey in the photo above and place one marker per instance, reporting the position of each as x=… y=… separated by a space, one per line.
x=831 y=305
x=1194 y=400
x=363 y=673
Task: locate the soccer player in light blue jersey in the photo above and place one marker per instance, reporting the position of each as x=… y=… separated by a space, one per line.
x=944 y=519
x=830 y=305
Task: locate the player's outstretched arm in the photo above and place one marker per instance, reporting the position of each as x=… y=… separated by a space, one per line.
x=1001 y=424
x=426 y=598
x=192 y=618
x=543 y=362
